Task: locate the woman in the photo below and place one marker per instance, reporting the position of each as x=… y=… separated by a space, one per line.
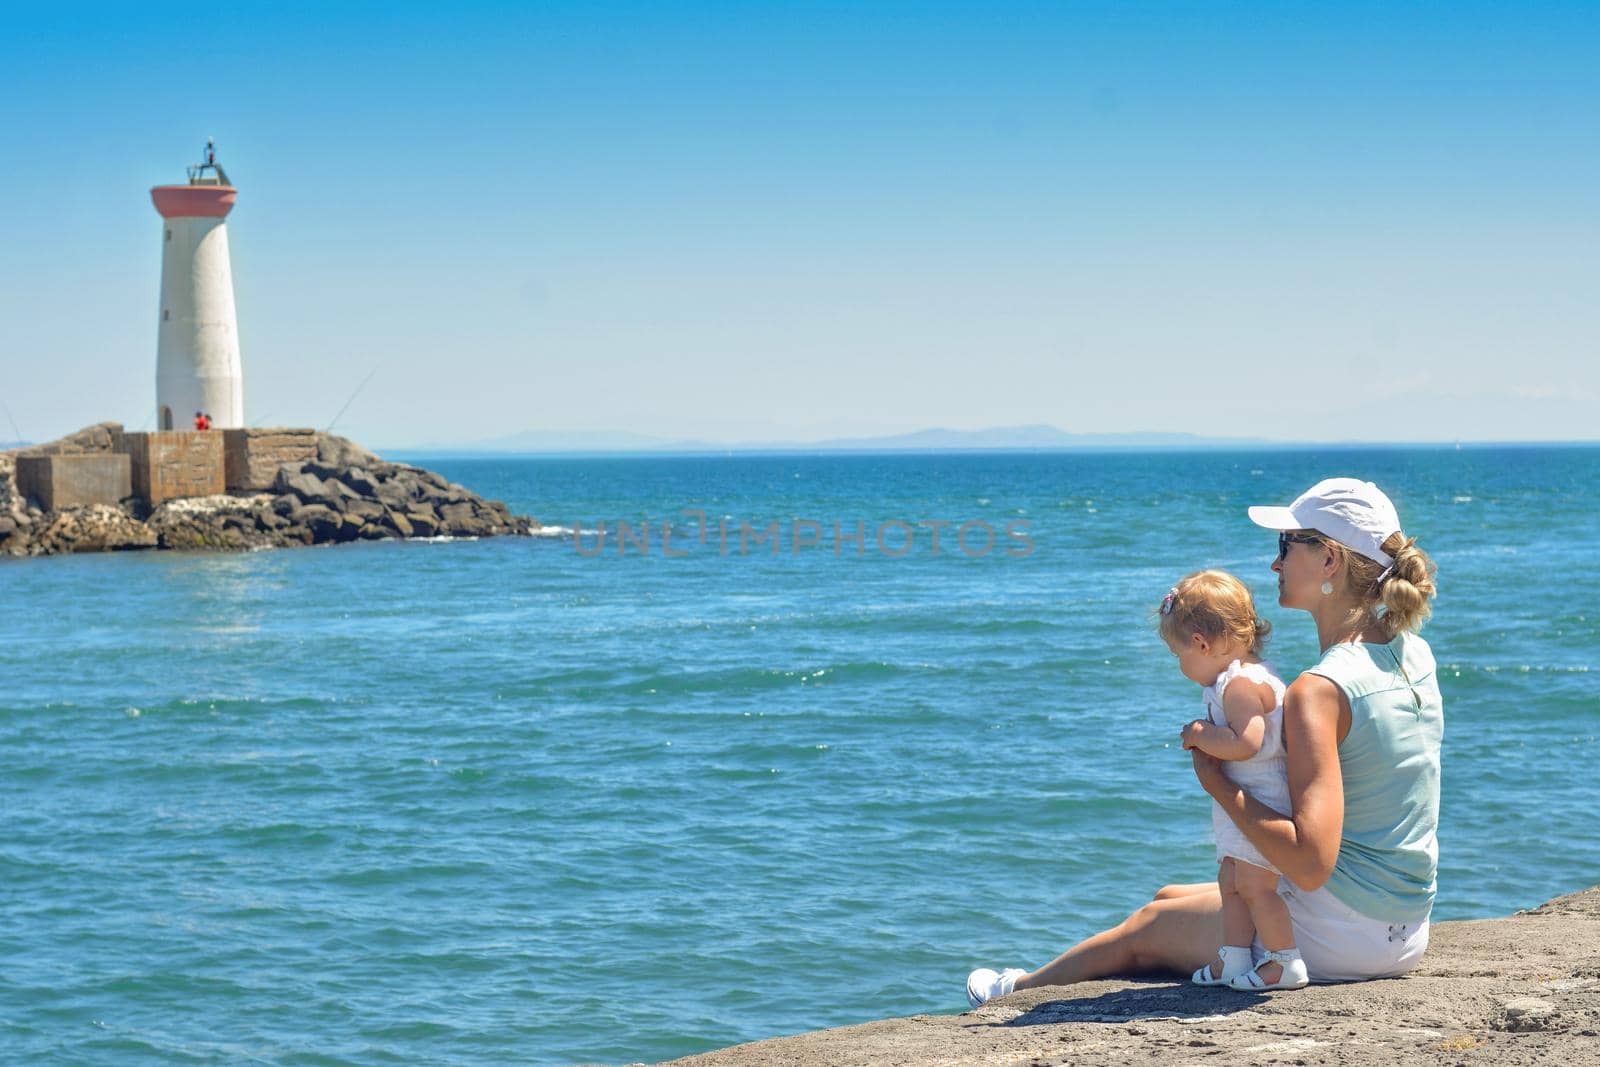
x=1362 y=728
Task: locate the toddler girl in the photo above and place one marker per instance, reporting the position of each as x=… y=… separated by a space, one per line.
x=1209 y=622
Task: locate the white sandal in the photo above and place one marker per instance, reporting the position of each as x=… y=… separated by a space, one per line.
x=983 y=984
x=1293 y=977
x=1235 y=961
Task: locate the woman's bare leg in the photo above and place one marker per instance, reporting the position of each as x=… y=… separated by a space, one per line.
x=1168 y=892
x=1176 y=934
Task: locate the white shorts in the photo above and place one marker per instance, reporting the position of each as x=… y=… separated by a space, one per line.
x=1339 y=944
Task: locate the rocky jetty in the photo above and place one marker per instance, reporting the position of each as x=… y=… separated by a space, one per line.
x=1519 y=990
x=343 y=493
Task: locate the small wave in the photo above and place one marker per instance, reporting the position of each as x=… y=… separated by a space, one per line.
x=748 y=679
x=1461 y=500
x=1521 y=668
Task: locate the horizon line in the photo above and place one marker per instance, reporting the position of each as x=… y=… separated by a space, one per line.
x=1261 y=445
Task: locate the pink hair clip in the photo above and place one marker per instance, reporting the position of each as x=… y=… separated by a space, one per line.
x=1170 y=599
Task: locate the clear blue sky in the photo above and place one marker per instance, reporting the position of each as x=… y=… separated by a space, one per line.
x=734 y=221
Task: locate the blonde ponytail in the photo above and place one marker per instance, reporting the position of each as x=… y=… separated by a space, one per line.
x=1408 y=587
x=1398 y=596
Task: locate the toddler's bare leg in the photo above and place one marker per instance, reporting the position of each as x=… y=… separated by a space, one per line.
x=1236 y=926
x=1270 y=915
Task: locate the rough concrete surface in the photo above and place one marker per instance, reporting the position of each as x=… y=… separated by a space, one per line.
x=252 y=456
x=67 y=481
x=1518 y=990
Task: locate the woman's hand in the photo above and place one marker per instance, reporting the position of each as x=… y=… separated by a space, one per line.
x=1208 y=769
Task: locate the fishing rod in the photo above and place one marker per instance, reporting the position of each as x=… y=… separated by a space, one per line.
x=11 y=419
x=352 y=400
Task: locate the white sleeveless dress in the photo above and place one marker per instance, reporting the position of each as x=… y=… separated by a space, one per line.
x=1264 y=776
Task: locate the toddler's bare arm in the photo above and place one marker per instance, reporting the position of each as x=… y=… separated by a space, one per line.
x=1247 y=725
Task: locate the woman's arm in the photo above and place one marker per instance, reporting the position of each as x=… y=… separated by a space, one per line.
x=1305 y=845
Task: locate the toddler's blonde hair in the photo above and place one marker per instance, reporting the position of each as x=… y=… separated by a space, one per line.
x=1215 y=605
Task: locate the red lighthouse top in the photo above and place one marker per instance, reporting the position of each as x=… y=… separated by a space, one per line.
x=208 y=194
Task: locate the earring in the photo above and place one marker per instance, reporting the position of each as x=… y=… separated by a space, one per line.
x=1327 y=588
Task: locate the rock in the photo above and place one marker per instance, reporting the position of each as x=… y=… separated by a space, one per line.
x=93 y=528
x=1518 y=990
x=399 y=524
x=189 y=533
x=360 y=481
x=423 y=523
x=463 y=520
x=302 y=483
x=321 y=469
x=336 y=495
x=366 y=510
x=456 y=516
x=392 y=494
x=267 y=518
x=349 y=528
x=322 y=522
x=343 y=452
x=97 y=438
x=1524 y=1014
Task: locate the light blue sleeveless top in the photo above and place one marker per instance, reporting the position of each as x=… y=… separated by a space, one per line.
x=1389 y=852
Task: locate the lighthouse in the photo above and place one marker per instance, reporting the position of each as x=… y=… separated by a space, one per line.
x=197 y=348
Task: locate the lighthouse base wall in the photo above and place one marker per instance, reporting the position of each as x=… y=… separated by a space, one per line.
x=174 y=463
x=254 y=455
x=66 y=481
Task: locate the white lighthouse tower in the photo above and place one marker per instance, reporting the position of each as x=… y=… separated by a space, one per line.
x=197 y=352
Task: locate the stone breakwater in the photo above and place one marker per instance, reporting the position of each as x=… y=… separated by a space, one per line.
x=342 y=493
x=1519 y=990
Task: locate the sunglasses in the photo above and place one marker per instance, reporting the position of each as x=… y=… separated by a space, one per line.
x=1287 y=539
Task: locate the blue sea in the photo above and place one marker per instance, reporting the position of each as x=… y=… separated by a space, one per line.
x=552 y=801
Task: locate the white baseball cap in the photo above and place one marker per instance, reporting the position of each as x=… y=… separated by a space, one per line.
x=1354 y=513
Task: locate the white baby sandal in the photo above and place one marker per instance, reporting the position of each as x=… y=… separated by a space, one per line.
x=1293 y=977
x=1235 y=962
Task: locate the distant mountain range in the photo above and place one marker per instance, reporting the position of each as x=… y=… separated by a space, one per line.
x=1020 y=437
